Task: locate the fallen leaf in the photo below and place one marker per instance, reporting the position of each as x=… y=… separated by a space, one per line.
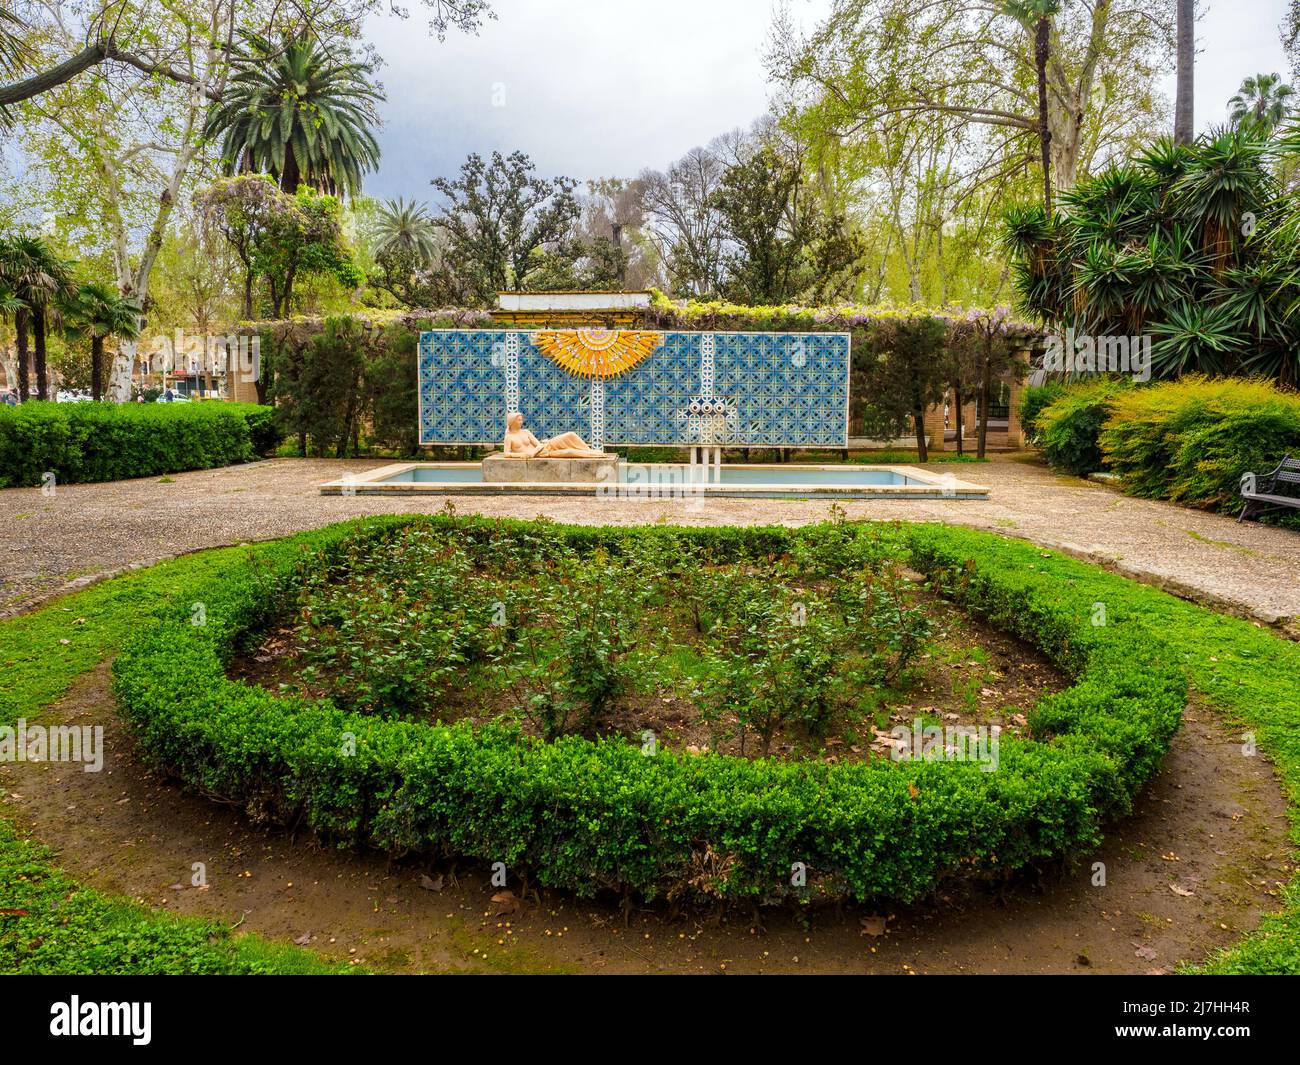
x=1145 y=953
x=913 y=790
x=1181 y=891
x=873 y=925
x=506 y=902
x=303 y=939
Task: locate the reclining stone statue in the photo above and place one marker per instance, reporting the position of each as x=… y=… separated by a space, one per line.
x=520 y=443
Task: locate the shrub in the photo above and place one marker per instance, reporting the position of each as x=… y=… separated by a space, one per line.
x=1192 y=440
x=1033 y=401
x=589 y=815
x=80 y=442
x=1070 y=427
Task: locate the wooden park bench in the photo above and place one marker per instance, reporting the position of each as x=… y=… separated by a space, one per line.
x=1279 y=490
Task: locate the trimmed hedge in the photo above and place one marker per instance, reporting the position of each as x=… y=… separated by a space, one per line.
x=585 y=815
x=82 y=442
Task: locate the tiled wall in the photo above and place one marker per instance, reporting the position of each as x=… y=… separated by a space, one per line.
x=745 y=389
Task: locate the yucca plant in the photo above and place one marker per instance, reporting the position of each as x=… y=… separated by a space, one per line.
x=1196 y=337
x=1195 y=246
x=1224 y=194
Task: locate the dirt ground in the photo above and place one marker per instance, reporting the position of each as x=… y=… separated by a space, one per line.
x=1203 y=855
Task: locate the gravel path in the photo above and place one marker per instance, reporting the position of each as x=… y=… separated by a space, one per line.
x=51 y=544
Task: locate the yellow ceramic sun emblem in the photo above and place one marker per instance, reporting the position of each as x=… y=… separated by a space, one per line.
x=597 y=352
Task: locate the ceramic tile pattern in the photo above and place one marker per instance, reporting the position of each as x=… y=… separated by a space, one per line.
x=759 y=389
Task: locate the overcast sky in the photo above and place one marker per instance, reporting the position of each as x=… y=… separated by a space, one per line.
x=603 y=88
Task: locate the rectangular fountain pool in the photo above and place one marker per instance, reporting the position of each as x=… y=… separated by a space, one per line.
x=665 y=480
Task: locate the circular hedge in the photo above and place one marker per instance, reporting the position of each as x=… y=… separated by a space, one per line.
x=589 y=815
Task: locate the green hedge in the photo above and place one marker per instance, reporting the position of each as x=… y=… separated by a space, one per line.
x=1069 y=429
x=1192 y=440
x=1033 y=401
x=82 y=442
x=1189 y=441
x=588 y=815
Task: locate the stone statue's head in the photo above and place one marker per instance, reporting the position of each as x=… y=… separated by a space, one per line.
x=514 y=421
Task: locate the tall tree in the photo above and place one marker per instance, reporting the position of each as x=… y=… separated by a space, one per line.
x=498 y=213
x=1037 y=17
x=884 y=61
x=683 y=221
x=39 y=279
x=1185 y=107
x=402 y=228
x=108 y=39
x=296 y=111
x=96 y=311
x=1263 y=102
x=242 y=211
x=1291 y=37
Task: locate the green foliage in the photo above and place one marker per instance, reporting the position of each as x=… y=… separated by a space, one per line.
x=785 y=245
x=1244 y=670
x=585 y=815
x=1033 y=401
x=1189 y=441
x=298 y=110
x=49 y=924
x=80 y=442
x=1192 y=245
x=279 y=239
x=1192 y=440
x=64 y=927
x=498 y=214
x=1070 y=428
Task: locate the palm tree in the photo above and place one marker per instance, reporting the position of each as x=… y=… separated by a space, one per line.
x=1036 y=16
x=98 y=311
x=1263 y=103
x=14 y=51
x=1185 y=107
x=296 y=112
x=10 y=305
x=37 y=277
x=405 y=230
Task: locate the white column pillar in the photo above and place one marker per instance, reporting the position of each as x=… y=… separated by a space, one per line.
x=717 y=465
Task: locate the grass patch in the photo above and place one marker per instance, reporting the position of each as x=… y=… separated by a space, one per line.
x=1246 y=671
x=56 y=925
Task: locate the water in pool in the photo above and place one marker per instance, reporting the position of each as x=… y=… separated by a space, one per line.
x=633 y=474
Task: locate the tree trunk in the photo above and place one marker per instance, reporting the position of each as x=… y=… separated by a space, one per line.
x=38 y=338
x=20 y=344
x=986 y=386
x=96 y=367
x=1185 y=109
x=292 y=177
x=922 y=450
x=1042 y=53
x=957 y=400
